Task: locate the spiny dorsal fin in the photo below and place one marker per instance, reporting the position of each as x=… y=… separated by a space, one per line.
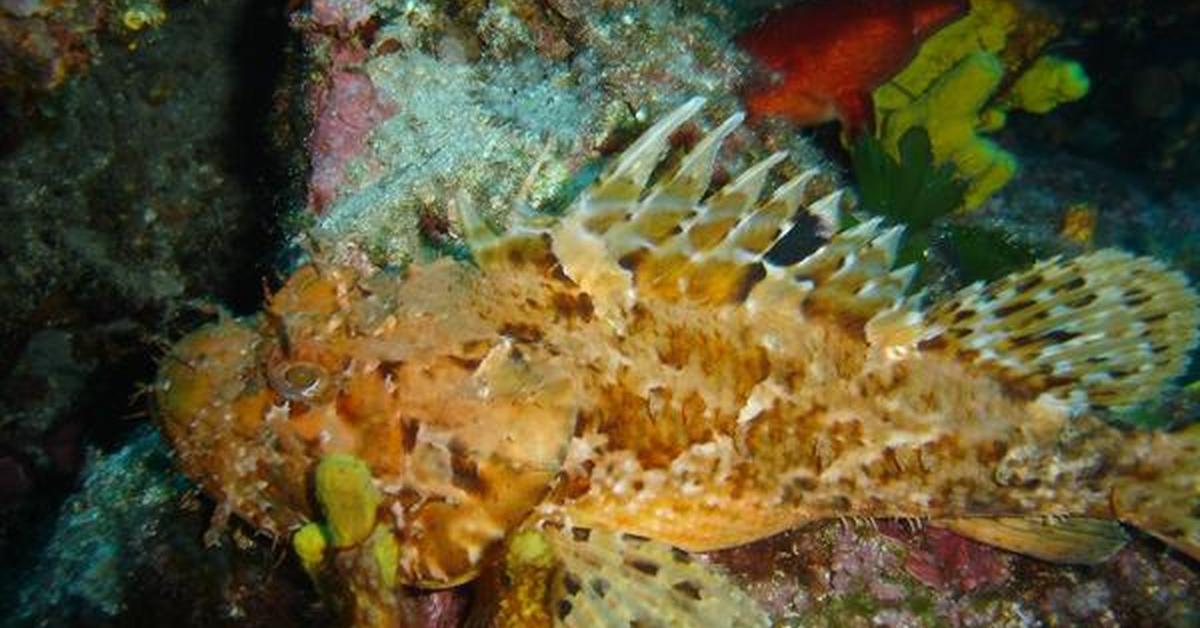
x=593 y=577
x=579 y=241
x=672 y=203
x=711 y=256
x=687 y=186
x=852 y=275
x=1070 y=540
x=523 y=243
x=622 y=241
x=626 y=182
x=1106 y=328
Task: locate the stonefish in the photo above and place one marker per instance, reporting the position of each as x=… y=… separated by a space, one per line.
x=571 y=416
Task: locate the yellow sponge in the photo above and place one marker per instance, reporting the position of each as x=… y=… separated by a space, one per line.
x=1050 y=82
x=955 y=89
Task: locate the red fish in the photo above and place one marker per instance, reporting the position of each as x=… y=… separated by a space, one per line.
x=830 y=55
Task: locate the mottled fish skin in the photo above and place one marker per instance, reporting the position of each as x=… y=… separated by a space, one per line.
x=642 y=366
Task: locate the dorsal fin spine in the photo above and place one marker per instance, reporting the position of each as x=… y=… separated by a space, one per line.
x=776 y=215
x=828 y=209
x=888 y=242
x=688 y=184
x=745 y=190
x=903 y=277
x=477 y=233
x=728 y=207
x=863 y=231
x=638 y=161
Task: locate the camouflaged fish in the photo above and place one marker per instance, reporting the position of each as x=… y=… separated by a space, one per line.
x=592 y=401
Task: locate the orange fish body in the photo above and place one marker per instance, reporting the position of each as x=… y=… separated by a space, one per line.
x=641 y=376
x=829 y=55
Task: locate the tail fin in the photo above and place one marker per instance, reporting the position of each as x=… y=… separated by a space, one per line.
x=1166 y=503
x=1107 y=330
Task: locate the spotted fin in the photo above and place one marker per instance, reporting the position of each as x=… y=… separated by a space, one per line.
x=572 y=576
x=630 y=236
x=524 y=243
x=1072 y=540
x=1106 y=329
x=852 y=275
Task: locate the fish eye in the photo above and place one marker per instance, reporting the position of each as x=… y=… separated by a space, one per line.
x=302 y=376
x=300 y=381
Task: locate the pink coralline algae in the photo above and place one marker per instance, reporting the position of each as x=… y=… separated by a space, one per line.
x=445 y=608
x=857 y=562
x=344 y=15
x=944 y=560
x=346 y=108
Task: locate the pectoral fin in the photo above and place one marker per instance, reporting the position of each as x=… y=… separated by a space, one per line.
x=1074 y=540
x=571 y=576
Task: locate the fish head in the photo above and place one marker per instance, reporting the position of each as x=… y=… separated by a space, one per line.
x=462 y=429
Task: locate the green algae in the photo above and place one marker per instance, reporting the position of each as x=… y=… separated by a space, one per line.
x=984 y=254
x=915 y=191
x=911 y=190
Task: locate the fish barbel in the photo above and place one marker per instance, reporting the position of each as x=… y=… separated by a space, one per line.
x=594 y=399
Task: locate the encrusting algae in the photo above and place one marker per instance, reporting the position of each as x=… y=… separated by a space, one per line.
x=592 y=401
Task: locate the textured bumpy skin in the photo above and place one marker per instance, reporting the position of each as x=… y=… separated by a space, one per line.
x=644 y=368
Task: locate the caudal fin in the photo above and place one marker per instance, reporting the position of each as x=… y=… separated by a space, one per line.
x=1166 y=503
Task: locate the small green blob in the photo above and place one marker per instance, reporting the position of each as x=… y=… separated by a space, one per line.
x=386 y=551
x=348 y=498
x=1050 y=82
x=529 y=549
x=309 y=543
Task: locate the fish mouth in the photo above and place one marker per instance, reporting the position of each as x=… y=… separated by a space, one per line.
x=205 y=367
x=210 y=401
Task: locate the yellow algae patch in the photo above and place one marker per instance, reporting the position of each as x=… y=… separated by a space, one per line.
x=309 y=543
x=348 y=498
x=386 y=552
x=1049 y=82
